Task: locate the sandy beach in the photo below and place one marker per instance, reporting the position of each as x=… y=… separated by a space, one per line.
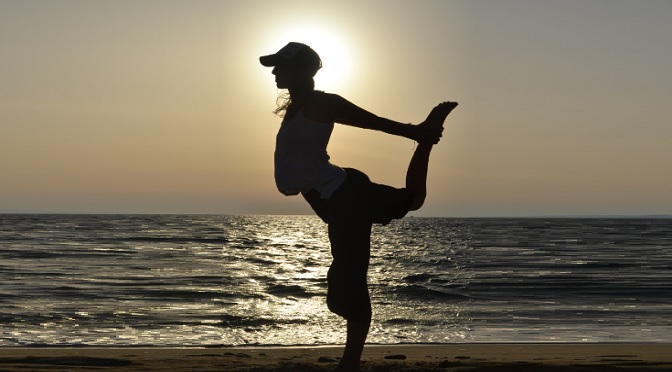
x=452 y=357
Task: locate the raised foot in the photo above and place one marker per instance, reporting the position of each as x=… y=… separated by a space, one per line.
x=439 y=114
x=432 y=128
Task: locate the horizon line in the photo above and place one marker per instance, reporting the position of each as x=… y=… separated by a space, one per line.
x=638 y=216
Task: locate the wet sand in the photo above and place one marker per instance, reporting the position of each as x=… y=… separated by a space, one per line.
x=448 y=357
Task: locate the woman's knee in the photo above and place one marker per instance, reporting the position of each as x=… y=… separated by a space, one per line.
x=417 y=201
x=358 y=312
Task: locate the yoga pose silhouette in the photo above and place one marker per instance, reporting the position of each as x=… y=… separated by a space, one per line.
x=344 y=198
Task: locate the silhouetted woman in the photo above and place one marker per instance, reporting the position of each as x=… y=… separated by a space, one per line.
x=344 y=198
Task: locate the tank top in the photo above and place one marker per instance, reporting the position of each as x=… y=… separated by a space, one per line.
x=301 y=159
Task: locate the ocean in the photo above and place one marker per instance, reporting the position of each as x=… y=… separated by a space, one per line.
x=225 y=280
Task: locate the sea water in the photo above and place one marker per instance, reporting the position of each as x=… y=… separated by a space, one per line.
x=169 y=280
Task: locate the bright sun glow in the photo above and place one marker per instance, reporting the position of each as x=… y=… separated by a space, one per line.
x=332 y=46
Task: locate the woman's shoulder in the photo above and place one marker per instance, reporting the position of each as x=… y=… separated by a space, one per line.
x=321 y=97
x=320 y=106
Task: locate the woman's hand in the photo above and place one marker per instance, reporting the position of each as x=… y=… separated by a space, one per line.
x=431 y=130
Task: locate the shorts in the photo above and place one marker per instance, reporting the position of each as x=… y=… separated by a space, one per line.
x=350 y=213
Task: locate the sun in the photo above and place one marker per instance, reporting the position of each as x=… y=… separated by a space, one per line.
x=333 y=47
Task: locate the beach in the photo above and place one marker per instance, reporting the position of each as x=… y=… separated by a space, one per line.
x=412 y=357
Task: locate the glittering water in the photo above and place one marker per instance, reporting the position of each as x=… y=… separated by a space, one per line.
x=260 y=280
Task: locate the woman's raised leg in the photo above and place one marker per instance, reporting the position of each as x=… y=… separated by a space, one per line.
x=416 y=176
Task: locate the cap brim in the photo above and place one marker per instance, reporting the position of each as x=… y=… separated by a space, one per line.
x=271 y=60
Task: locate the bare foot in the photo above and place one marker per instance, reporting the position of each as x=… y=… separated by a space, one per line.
x=439 y=113
x=431 y=129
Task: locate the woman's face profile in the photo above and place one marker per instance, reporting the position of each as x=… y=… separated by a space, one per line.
x=283 y=76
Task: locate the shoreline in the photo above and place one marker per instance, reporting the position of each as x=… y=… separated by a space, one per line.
x=476 y=357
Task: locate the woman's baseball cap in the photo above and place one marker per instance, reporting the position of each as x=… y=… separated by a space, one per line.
x=299 y=55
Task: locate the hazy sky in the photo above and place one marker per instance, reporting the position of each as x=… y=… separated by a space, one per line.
x=162 y=107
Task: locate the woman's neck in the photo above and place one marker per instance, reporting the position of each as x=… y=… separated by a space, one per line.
x=298 y=98
x=299 y=94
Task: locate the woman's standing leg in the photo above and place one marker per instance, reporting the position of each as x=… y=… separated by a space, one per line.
x=348 y=294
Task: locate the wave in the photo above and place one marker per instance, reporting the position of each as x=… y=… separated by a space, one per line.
x=423 y=293
x=282 y=290
x=177 y=240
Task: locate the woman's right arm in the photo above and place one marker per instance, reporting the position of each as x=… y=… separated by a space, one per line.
x=339 y=110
